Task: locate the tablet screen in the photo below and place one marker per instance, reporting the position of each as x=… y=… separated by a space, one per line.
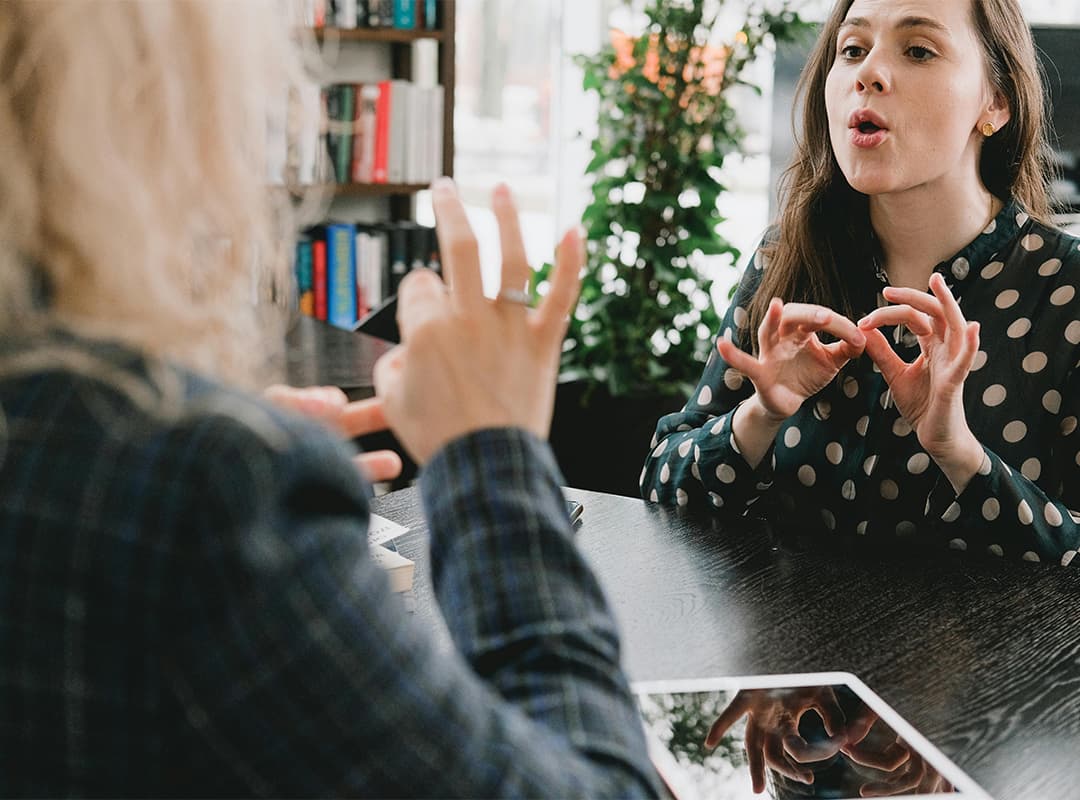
x=790 y=736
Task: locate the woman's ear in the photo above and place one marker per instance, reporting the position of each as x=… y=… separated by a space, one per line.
x=998 y=112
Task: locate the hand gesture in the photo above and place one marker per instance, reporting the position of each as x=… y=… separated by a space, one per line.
x=903 y=770
x=929 y=391
x=466 y=362
x=772 y=730
x=792 y=362
x=330 y=406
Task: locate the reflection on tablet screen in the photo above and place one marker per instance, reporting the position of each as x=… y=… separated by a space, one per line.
x=796 y=741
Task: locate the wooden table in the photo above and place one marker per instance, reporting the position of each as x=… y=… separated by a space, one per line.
x=318 y=354
x=981 y=657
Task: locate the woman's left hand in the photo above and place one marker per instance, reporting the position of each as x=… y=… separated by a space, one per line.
x=330 y=406
x=929 y=391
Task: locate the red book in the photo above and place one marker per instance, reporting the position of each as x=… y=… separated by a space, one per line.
x=382 y=133
x=318 y=276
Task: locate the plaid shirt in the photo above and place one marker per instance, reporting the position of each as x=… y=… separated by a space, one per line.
x=187 y=606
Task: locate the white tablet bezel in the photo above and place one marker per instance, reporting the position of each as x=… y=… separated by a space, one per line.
x=967 y=788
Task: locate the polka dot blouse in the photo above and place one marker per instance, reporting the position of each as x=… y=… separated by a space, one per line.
x=848 y=462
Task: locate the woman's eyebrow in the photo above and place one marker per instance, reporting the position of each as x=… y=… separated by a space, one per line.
x=903 y=24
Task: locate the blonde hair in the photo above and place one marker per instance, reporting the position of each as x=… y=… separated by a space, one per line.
x=133 y=178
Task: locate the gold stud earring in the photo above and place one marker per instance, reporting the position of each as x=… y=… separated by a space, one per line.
x=988 y=129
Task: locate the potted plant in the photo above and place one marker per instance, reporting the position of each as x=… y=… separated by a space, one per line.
x=645 y=323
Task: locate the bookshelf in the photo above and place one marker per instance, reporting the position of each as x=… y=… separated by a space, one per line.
x=386 y=133
x=401 y=196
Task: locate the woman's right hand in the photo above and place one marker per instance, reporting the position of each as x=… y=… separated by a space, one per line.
x=792 y=362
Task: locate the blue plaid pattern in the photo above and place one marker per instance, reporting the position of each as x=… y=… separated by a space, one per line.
x=187 y=607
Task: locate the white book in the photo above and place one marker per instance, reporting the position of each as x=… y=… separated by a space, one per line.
x=399 y=120
x=425 y=63
x=346 y=13
x=434 y=158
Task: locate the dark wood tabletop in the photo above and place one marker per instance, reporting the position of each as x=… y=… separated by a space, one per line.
x=982 y=657
x=318 y=354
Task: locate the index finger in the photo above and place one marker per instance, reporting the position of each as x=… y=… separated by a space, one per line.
x=728 y=717
x=421 y=298
x=819 y=318
x=953 y=314
x=363 y=416
x=458 y=249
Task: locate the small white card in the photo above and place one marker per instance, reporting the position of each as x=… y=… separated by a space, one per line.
x=381 y=529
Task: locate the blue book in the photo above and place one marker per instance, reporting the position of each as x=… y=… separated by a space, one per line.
x=405 y=14
x=431 y=20
x=341 y=275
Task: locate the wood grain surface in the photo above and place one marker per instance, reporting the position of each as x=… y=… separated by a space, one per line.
x=982 y=657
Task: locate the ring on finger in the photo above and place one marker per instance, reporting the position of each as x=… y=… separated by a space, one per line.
x=516 y=296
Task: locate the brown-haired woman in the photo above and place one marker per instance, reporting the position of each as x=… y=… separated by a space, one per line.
x=913 y=244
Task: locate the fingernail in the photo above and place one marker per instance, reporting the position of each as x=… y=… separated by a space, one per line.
x=442 y=184
x=502 y=191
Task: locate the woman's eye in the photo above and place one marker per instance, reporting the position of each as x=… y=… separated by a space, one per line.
x=920 y=53
x=852 y=51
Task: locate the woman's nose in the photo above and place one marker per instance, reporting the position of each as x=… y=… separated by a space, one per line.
x=872 y=76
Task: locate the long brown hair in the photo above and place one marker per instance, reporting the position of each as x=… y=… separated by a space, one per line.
x=824 y=231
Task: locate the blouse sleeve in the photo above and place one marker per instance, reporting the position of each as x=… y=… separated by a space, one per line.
x=694 y=458
x=1004 y=512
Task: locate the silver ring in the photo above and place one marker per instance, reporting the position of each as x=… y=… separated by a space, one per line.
x=517 y=296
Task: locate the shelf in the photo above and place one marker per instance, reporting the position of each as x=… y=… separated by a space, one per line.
x=393 y=35
x=375 y=189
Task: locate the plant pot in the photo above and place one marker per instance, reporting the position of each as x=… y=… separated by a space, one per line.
x=602 y=444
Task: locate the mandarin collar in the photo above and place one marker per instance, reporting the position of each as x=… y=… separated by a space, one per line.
x=960 y=268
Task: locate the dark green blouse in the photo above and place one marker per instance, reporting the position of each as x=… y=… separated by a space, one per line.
x=848 y=462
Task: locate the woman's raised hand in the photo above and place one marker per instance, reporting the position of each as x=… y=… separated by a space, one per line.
x=792 y=362
x=929 y=391
x=466 y=362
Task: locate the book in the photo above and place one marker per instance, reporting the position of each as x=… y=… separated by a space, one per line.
x=341 y=275
x=397 y=133
x=318 y=276
x=340 y=108
x=363 y=166
x=304 y=277
x=405 y=14
x=382 y=132
x=399 y=569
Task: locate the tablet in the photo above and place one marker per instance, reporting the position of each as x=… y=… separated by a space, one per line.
x=381 y=321
x=790 y=736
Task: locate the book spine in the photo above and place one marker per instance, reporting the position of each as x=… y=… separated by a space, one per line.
x=405 y=14
x=431 y=18
x=364 y=154
x=341 y=275
x=305 y=290
x=318 y=276
x=398 y=139
x=399 y=255
x=382 y=132
x=343 y=152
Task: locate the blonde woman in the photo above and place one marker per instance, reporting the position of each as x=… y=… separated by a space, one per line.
x=899 y=361
x=187 y=604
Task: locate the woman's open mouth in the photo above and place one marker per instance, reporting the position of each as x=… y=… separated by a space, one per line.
x=868 y=130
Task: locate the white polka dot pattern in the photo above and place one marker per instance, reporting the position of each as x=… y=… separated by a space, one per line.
x=849 y=458
x=1019 y=329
